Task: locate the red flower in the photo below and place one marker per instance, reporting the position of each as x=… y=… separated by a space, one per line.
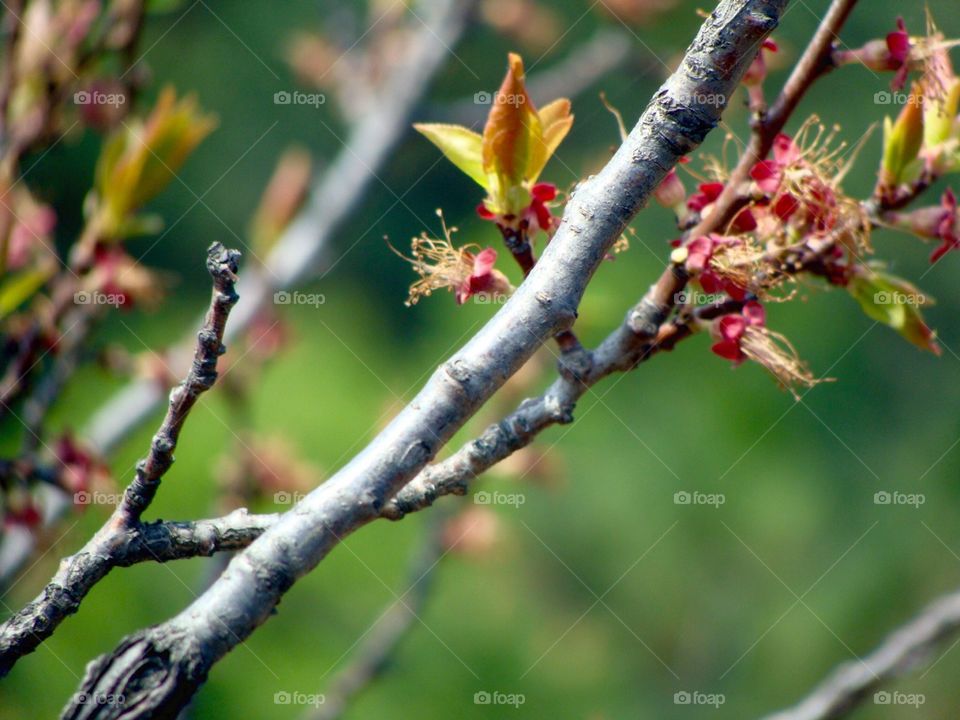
x=937 y=222
x=484 y=277
x=28 y=516
x=730 y=330
x=81 y=470
x=891 y=53
x=707 y=195
x=537 y=214
x=947 y=226
x=898 y=47
x=699 y=252
x=769 y=173
x=757 y=72
x=671 y=193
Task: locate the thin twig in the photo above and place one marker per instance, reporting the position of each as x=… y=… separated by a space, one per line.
x=124 y=539
x=374 y=655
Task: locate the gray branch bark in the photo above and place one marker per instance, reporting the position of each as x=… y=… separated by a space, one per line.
x=159 y=669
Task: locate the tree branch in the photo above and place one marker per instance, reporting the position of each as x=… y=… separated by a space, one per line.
x=905 y=649
x=123 y=539
x=335 y=197
x=159 y=669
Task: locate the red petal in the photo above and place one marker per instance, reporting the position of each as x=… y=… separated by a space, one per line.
x=728 y=349
x=744 y=221
x=785 y=150
x=731 y=327
x=483 y=263
x=785 y=206
x=767 y=174
x=709 y=192
x=483 y=212
x=754 y=313
x=544 y=218
x=544 y=192
x=710 y=283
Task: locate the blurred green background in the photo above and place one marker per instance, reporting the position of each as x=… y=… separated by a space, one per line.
x=600 y=597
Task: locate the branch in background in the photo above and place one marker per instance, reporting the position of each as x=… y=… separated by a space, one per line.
x=124 y=539
x=374 y=655
x=335 y=197
x=904 y=649
x=158 y=670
